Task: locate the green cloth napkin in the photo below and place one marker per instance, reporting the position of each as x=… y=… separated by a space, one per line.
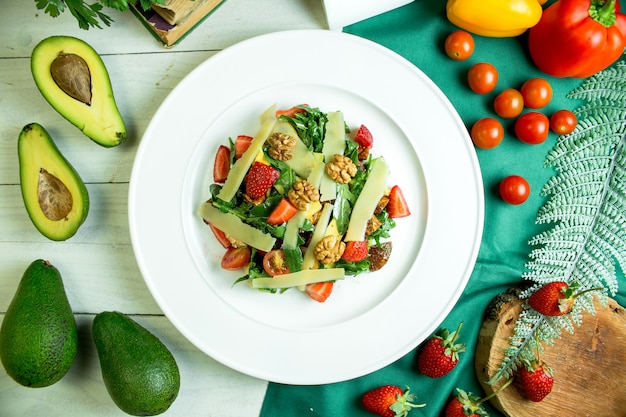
x=417 y=32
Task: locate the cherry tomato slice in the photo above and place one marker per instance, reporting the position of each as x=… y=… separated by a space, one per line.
x=563 y=122
x=482 y=78
x=537 y=93
x=514 y=189
x=236 y=258
x=487 y=133
x=509 y=103
x=459 y=45
x=532 y=127
x=275 y=263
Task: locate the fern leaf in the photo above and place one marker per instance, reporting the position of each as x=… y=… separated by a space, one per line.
x=587 y=210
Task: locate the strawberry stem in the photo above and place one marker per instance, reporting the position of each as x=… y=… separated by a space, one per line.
x=496 y=392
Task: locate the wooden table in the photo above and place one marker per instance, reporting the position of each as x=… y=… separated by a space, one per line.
x=97 y=264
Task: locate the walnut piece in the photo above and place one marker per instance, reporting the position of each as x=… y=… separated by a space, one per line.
x=341 y=169
x=329 y=249
x=303 y=194
x=372 y=225
x=281 y=146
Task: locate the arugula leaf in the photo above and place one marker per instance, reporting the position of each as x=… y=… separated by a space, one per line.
x=310 y=125
x=293 y=259
x=342 y=209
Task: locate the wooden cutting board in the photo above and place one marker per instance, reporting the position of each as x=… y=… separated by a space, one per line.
x=589 y=365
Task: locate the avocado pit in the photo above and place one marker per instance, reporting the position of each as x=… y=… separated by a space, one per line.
x=55 y=199
x=71 y=73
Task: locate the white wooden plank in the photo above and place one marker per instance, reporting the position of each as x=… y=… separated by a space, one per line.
x=137 y=93
x=208 y=388
x=234 y=21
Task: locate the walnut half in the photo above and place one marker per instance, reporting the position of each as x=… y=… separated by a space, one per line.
x=281 y=146
x=302 y=194
x=341 y=169
x=329 y=249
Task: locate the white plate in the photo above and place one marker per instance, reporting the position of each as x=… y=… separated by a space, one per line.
x=370 y=320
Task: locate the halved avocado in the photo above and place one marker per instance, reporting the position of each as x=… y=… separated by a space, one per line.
x=55 y=196
x=73 y=79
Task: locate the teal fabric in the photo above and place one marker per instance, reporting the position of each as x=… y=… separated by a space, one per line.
x=417 y=32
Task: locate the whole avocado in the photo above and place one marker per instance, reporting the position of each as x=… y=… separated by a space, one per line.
x=139 y=372
x=38 y=337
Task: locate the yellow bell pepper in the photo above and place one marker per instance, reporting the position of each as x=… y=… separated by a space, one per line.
x=494 y=18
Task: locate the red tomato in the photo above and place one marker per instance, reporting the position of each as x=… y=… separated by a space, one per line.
x=459 y=45
x=482 y=78
x=563 y=122
x=532 y=127
x=514 y=189
x=509 y=103
x=487 y=133
x=220 y=236
x=274 y=262
x=537 y=93
x=236 y=258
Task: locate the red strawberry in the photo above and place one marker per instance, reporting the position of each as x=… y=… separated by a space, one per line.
x=283 y=211
x=364 y=137
x=440 y=354
x=534 y=380
x=464 y=404
x=397 y=206
x=319 y=291
x=556 y=298
x=242 y=143
x=260 y=179
x=221 y=165
x=389 y=401
x=355 y=251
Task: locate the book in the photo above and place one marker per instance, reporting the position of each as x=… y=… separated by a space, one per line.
x=172 y=21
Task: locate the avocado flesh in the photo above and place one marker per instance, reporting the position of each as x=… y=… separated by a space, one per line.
x=139 y=372
x=38 y=337
x=55 y=196
x=55 y=63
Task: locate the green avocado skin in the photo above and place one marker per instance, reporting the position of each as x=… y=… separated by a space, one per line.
x=38 y=337
x=139 y=372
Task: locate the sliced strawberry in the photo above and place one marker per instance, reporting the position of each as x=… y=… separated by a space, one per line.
x=260 y=179
x=355 y=251
x=242 y=143
x=364 y=137
x=319 y=291
x=220 y=236
x=236 y=258
x=290 y=112
x=284 y=211
x=397 y=206
x=221 y=165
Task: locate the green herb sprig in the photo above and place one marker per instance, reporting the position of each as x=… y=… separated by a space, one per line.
x=89 y=15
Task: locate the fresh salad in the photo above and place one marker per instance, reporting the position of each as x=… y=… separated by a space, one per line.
x=303 y=203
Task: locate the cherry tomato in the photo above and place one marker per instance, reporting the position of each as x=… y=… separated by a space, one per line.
x=236 y=258
x=537 y=93
x=532 y=127
x=487 y=133
x=514 y=189
x=563 y=122
x=482 y=78
x=509 y=103
x=459 y=45
x=274 y=262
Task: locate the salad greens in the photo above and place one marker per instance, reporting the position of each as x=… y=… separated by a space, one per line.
x=310 y=124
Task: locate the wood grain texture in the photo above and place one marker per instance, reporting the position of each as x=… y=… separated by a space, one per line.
x=589 y=377
x=98 y=266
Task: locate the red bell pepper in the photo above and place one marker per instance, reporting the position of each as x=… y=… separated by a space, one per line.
x=578 y=38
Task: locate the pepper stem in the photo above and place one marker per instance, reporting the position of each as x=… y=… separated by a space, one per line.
x=603 y=12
